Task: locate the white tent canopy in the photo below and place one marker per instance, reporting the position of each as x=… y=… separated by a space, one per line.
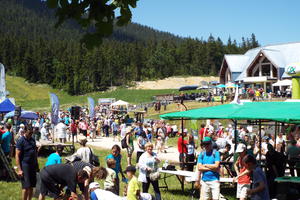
x=283 y=83
x=120 y=103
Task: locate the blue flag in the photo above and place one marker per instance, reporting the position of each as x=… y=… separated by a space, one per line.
x=91 y=107
x=54 y=108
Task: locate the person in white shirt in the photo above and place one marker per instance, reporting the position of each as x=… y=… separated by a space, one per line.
x=61 y=131
x=44 y=133
x=84 y=152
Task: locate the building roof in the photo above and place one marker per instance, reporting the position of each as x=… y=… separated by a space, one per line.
x=280 y=55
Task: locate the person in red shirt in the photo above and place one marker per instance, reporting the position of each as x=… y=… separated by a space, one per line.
x=203 y=132
x=243 y=178
x=181 y=145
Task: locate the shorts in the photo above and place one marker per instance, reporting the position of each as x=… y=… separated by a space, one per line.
x=210 y=189
x=129 y=150
x=115 y=133
x=29 y=176
x=241 y=191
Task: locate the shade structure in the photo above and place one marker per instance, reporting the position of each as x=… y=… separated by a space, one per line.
x=6 y=106
x=231 y=85
x=188 y=87
x=120 y=103
x=221 y=86
x=283 y=83
x=288 y=112
x=24 y=115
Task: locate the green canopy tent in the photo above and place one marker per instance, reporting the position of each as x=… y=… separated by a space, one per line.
x=286 y=112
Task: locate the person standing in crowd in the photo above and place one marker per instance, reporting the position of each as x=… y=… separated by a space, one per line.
x=55 y=158
x=181 y=146
x=130 y=147
x=114 y=129
x=259 y=188
x=203 y=132
x=106 y=127
x=7 y=140
x=84 y=152
x=61 y=174
x=74 y=129
x=209 y=165
x=45 y=136
x=148 y=166
x=275 y=163
x=27 y=164
x=190 y=156
x=116 y=155
x=141 y=142
x=243 y=175
x=293 y=153
x=123 y=129
x=61 y=131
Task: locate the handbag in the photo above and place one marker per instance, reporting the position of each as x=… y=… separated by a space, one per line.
x=94 y=160
x=154 y=176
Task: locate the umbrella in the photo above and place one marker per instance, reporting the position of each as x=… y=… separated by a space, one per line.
x=6 y=106
x=221 y=86
x=231 y=85
x=188 y=87
x=24 y=115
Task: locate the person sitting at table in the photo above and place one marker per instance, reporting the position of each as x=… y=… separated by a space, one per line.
x=209 y=165
x=293 y=153
x=259 y=188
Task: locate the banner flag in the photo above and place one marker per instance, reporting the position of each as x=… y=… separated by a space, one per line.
x=54 y=108
x=2 y=83
x=91 y=107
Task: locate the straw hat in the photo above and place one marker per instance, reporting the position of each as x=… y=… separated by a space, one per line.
x=82 y=139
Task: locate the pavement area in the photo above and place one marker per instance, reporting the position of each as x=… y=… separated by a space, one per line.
x=107 y=142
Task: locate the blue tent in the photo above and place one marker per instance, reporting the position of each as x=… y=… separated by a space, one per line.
x=6 y=106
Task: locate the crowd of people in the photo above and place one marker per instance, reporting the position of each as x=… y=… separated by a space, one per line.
x=207 y=149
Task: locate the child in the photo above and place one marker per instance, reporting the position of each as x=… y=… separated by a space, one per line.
x=133 y=191
x=190 y=157
x=109 y=175
x=259 y=189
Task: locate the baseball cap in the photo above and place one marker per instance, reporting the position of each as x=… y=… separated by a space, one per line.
x=94 y=185
x=206 y=140
x=130 y=169
x=241 y=148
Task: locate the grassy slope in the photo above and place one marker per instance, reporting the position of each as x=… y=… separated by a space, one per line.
x=36 y=96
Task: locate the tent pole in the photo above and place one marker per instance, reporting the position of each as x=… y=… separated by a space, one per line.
x=182 y=142
x=235 y=134
x=276 y=131
x=259 y=128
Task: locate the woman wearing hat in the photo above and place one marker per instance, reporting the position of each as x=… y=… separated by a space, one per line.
x=84 y=152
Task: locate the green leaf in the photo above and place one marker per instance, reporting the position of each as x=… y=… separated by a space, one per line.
x=52 y=3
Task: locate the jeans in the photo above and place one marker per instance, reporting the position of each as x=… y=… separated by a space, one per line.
x=155 y=187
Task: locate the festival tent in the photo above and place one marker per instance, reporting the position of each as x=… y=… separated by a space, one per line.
x=120 y=103
x=6 y=106
x=24 y=115
x=283 y=83
x=288 y=112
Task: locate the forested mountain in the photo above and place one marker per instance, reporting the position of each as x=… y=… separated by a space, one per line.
x=31 y=47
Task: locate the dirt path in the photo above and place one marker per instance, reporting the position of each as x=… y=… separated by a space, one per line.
x=106 y=143
x=174 y=82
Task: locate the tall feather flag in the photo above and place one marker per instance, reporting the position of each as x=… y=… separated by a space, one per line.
x=54 y=108
x=2 y=83
x=91 y=107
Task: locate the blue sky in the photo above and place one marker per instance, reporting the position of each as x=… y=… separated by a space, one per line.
x=272 y=21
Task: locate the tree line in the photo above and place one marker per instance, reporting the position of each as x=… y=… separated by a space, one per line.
x=33 y=49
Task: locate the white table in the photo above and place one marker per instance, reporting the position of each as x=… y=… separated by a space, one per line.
x=189 y=177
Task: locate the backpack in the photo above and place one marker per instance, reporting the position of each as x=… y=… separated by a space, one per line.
x=124 y=143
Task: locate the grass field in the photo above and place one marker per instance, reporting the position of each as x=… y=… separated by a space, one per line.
x=36 y=96
x=12 y=191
